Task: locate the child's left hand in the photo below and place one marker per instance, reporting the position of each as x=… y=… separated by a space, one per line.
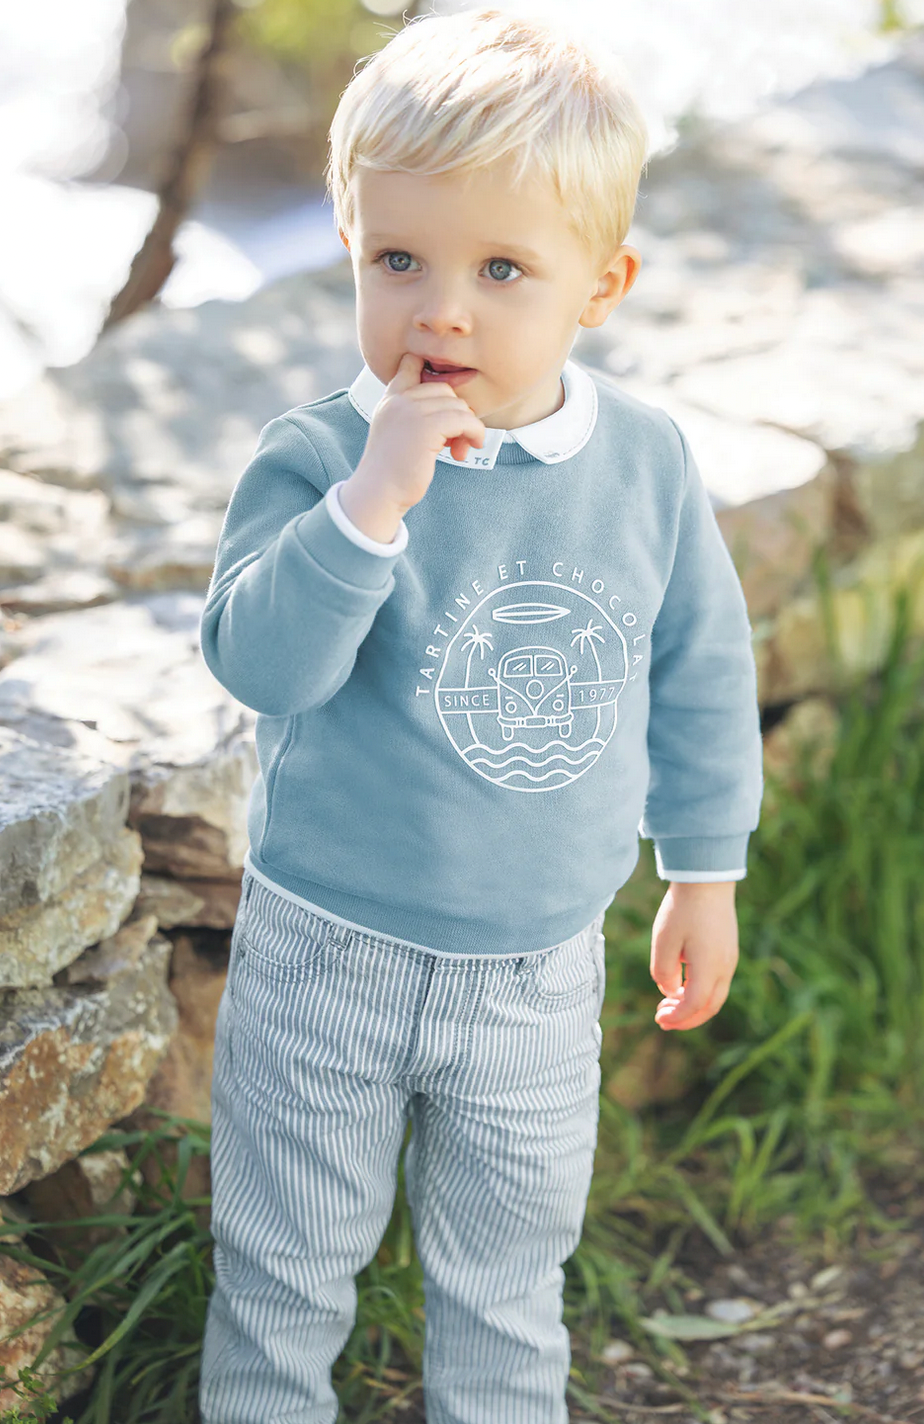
x=696 y=925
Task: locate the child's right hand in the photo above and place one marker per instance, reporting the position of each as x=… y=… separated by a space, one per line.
x=412 y=424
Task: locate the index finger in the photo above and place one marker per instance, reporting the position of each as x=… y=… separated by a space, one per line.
x=408 y=372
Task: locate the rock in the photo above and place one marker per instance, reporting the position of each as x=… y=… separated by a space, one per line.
x=113 y=955
x=723 y=1357
x=772 y=492
x=46 y=728
x=885 y=245
x=144 y=538
x=740 y=1276
x=133 y=671
x=792 y=651
x=28 y=503
x=13 y=1210
x=95 y=1184
x=76 y=1057
x=192 y=818
x=60 y=810
x=24 y=1294
x=189 y=902
x=36 y=941
x=806 y=737
x=637 y=1369
x=733 y=1311
x=22 y=555
x=60 y=591
x=837 y=398
x=615 y=1352
x=756 y=1342
x=837 y=1339
x=130 y=670
x=889 y=491
x=773 y=540
x=783 y=292
x=776 y=231
x=83 y=1187
x=740 y=463
x=181 y=1083
x=826 y=1277
x=165 y=411
x=45 y=529
x=151 y=559
x=7 y=650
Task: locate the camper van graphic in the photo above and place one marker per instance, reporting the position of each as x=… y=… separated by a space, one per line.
x=533 y=713
x=533 y=690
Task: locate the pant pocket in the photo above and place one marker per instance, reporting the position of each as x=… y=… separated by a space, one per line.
x=562 y=976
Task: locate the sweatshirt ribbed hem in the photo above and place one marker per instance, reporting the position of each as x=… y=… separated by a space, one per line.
x=448 y=933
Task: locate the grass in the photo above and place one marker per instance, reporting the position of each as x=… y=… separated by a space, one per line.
x=806 y=1085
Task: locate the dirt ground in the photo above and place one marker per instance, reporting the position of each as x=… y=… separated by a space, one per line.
x=846 y=1341
x=855 y=1337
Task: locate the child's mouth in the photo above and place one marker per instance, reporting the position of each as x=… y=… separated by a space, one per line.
x=454 y=375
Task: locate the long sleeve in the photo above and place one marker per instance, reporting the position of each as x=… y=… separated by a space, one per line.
x=292 y=596
x=704 y=743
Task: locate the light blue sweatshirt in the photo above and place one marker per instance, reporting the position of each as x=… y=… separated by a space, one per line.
x=462 y=734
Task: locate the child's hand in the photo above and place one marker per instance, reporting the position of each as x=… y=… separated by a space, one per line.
x=697 y=926
x=412 y=424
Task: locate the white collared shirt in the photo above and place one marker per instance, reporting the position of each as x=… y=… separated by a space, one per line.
x=556 y=437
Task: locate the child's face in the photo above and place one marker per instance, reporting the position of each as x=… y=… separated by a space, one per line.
x=465 y=269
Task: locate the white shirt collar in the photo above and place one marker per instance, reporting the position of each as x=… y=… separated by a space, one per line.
x=557 y=437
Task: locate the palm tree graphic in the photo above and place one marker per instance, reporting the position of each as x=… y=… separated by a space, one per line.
x=474 y=640
x=587 y=635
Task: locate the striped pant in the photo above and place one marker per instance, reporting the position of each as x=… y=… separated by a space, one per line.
x=327 y=1039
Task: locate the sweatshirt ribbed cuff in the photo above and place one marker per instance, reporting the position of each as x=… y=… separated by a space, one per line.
x=339 y=554
x=702 y=858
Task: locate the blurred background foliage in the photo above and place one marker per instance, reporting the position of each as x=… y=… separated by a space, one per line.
x=316 y=35
x=314 y=45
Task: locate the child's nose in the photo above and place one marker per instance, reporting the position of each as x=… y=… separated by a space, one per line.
x=443 y=311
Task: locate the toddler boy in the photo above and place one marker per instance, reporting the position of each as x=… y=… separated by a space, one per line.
x=484 y=610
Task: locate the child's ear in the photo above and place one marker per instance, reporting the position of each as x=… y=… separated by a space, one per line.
x=612 y=286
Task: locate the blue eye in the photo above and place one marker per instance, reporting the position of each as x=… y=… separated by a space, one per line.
x=501 y=262
x=406 y=256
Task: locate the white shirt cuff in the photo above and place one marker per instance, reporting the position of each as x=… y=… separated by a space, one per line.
x=693 y=877
x=346 y=526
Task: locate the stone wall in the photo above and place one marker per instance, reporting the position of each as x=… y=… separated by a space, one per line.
x=778 y=317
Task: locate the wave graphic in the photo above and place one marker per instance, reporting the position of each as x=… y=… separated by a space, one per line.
x=508 y=750
x=529 y=761
x=565 y=777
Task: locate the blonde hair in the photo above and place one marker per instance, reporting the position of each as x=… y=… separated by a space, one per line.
x=452 y=93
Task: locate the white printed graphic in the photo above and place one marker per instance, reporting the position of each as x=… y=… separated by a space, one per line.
x=528 y=687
